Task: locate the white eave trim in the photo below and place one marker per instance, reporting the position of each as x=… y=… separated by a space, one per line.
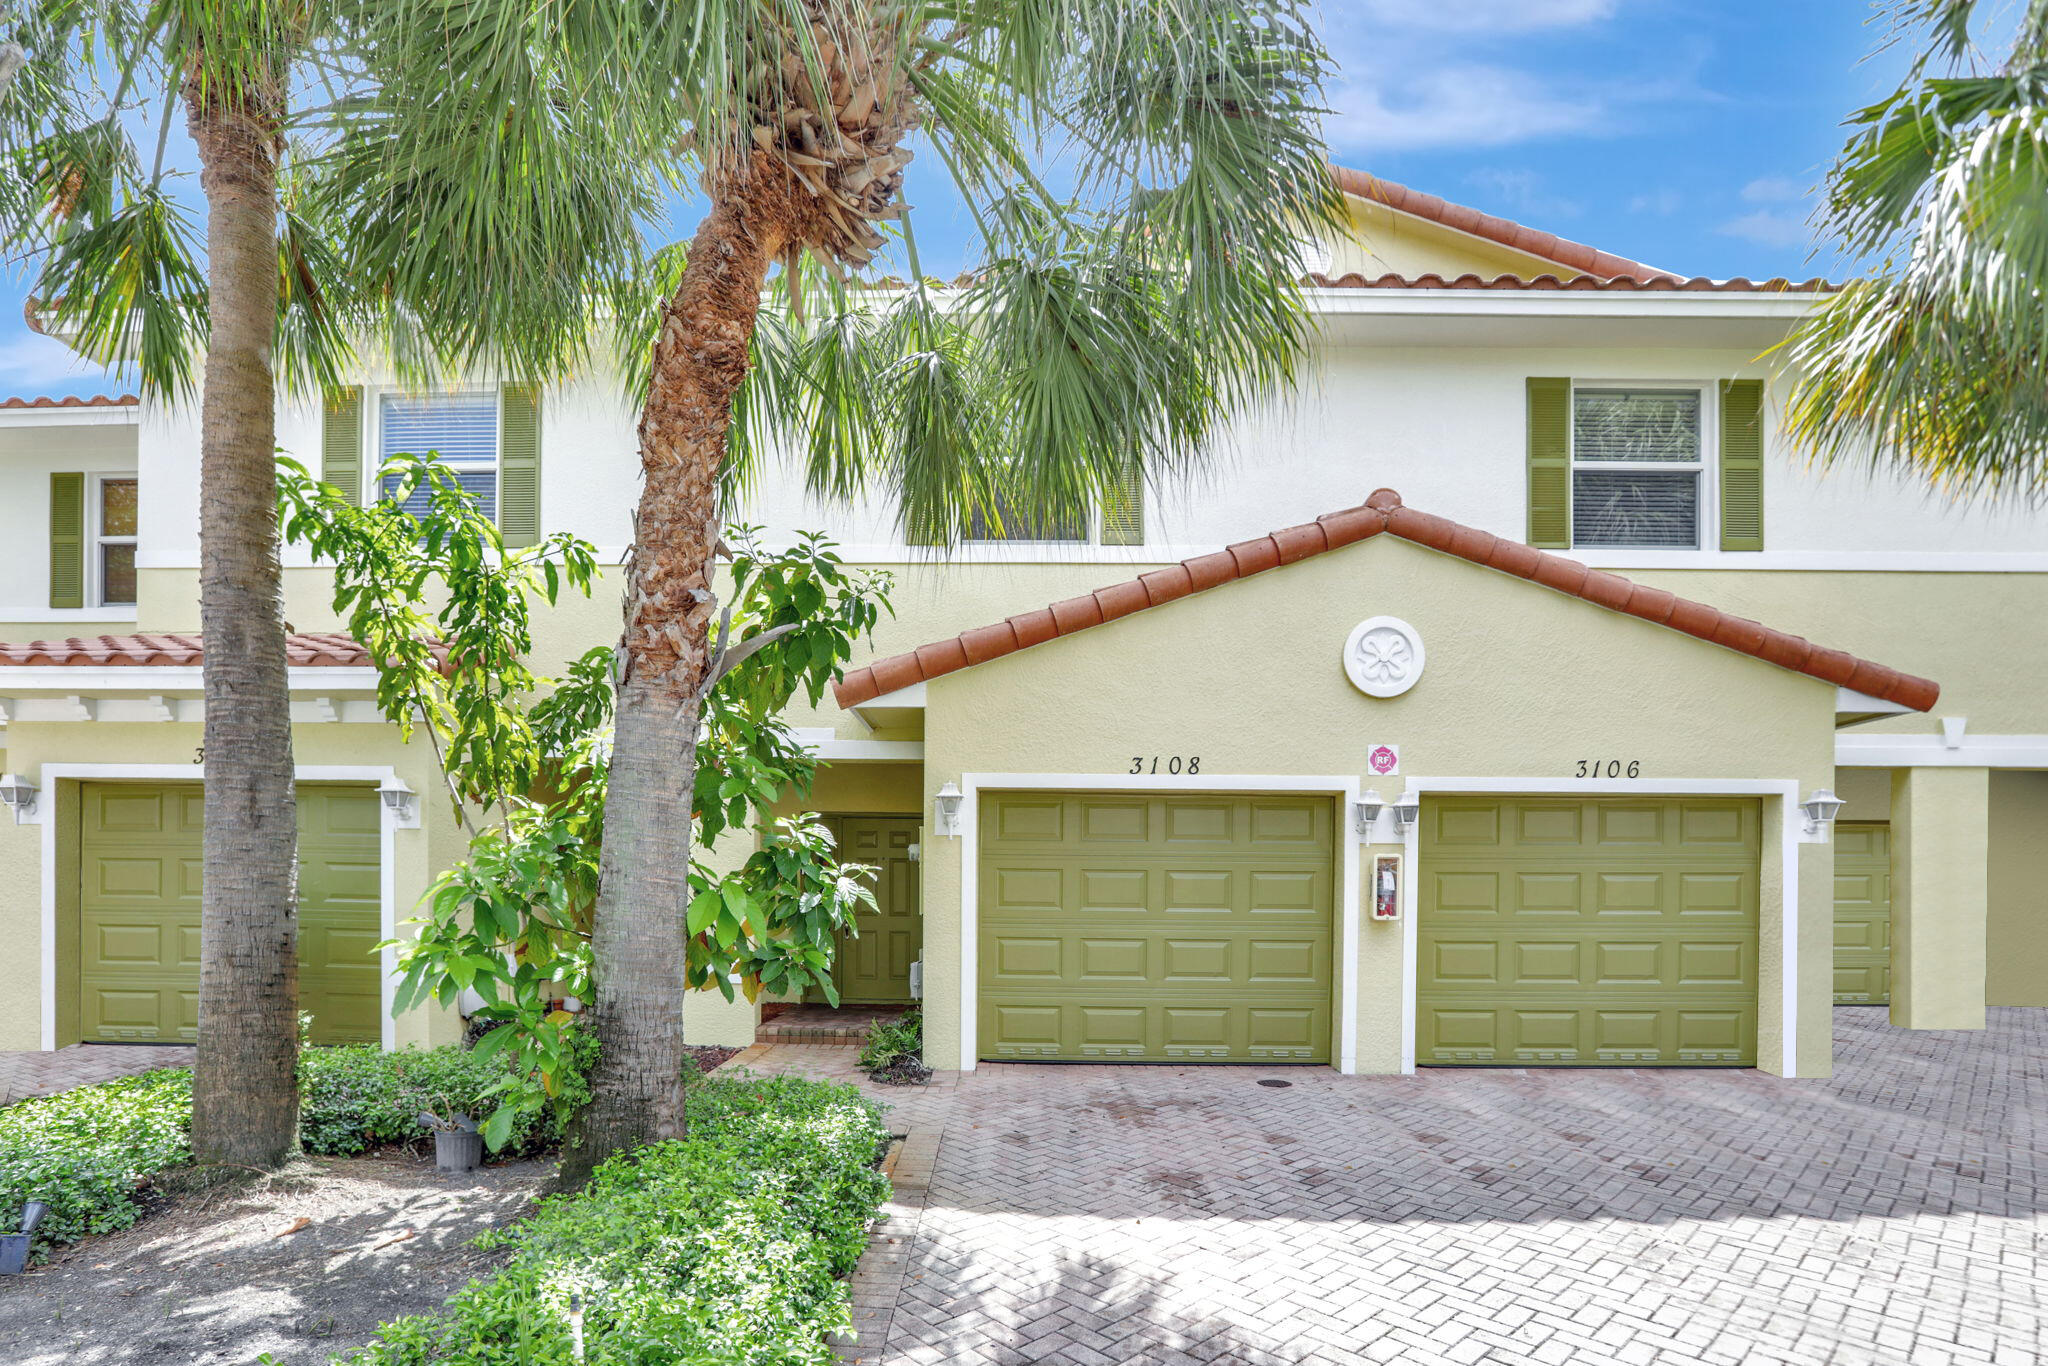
x=105 y=415
x=910 y=697
x=1852 y=706
x=65 y=679
x=1935 y=751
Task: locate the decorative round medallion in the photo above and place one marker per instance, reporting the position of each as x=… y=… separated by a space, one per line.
x=1383 y=657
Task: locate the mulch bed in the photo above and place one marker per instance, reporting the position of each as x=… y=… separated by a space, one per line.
x=301 y=1265
x=709 y=1056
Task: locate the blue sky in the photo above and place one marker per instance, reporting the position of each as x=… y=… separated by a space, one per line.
x=1685 y=133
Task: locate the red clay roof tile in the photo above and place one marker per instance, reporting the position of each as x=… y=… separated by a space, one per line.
x=1383 y=512
x=175 y=648
x=1491 y=227
x=71 y=401
x=1662 y=284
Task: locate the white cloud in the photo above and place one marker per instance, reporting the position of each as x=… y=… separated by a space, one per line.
x=1766 y=228
x=1524 y=192
x=1467 y=104
x=32 y=364
x=1486 y=16
x=1773 y=190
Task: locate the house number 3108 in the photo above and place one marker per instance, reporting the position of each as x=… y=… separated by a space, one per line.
x=1173 y=763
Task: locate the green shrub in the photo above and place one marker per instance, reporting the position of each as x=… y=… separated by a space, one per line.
x=730 y=1245
x=889 y=1040
x=87 y=1152
x=355 y=1096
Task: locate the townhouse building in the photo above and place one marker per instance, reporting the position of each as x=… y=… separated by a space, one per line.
x=1477 y=703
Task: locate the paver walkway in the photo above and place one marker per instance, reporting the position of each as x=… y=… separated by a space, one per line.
x=1157 y=1215
x=28 y=1074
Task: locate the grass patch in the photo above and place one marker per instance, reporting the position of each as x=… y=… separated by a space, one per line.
x=731 y=1245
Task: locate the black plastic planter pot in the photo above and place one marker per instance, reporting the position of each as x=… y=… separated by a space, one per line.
x=457 y=1151
x=13 y=1254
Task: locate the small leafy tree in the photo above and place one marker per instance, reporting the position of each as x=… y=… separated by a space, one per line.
x=526 y=761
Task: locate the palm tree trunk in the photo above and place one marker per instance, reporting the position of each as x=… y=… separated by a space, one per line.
x=245 y=1098
x=638 y=936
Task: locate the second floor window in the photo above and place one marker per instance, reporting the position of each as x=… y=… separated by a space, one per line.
x=1011 y=524
x=1637 y=468
x=114 y=550
x=462 y=429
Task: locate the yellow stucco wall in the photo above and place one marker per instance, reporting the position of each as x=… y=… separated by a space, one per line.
x=1384 y=241
x=1521 y=682
x=2016 y=932
x=1940 y=859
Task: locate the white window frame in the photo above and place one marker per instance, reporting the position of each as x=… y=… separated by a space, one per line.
x=95 y=572
x=373 y=435
x=1707 y=524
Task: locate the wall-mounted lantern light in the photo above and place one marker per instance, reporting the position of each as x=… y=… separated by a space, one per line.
x=946 y=808
x=400 y=800
x=1406 y=808
x=1821 y=808
x=1368 y=810
x=19 y=795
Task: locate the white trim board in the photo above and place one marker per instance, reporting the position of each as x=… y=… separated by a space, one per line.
x=1792 y=835
x=1344 y=787
x=163 y=678
x=1934 y=751
x=387 y=912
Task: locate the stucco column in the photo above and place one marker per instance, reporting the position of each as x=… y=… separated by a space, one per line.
x=1940 y=896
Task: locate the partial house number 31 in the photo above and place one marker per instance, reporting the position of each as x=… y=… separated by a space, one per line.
x=1166 y=763
x=1609 y=768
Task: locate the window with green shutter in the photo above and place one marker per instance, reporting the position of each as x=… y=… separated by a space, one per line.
x=341 y=441
x=67 y=540
x=1742 y=464
x=519 y=464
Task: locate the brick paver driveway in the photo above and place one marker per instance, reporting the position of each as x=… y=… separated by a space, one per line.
x=1164 y=1214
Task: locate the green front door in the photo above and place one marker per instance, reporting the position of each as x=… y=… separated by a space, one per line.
x=1119 y=927
x=873 y=966
x=140 y=850
x=1863 y=913
x=1587 y=931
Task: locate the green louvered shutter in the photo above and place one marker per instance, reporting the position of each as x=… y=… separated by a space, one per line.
x=1550 y=463
x=1742 y=464
x=519 y=464
x=1123 y=510
x=67 y=540
x=341 y=442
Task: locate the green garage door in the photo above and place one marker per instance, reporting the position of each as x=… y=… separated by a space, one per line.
x=140 y=855
x=1586 y=932
x=1863 y=913
x=1136 y=928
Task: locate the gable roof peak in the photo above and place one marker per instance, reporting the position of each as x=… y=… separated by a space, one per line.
x=1384 y=512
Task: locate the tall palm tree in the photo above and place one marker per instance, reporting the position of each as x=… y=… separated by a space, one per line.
x=1108 y=326
x=1932 y=366
x=120 y=269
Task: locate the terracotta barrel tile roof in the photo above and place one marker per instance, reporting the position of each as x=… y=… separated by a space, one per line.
x=1492 y=227
x=1384 y=512
x=173 y=648
x=1666 y=284
x=72 y=401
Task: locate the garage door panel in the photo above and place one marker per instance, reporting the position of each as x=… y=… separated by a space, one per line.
x=1631 y=938
x=1113 y=960
x=1227 y=905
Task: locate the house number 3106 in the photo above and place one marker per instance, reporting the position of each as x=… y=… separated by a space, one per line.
x=1173 y=763
x=1609 y=768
